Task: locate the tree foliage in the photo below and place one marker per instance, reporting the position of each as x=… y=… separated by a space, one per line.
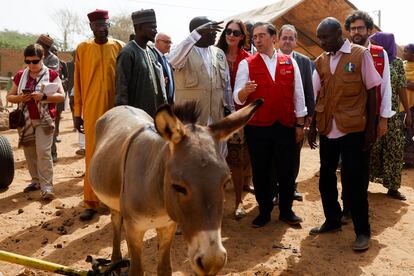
x=69 y=24
x=121 y=27
x=16 y=40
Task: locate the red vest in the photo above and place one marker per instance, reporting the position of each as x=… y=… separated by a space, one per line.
x=278 y=94
x=377 y=53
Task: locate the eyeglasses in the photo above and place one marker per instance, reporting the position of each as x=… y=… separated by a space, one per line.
x=100 y=24
x=166 y=41
x=235 y=33
x=36 y=61
x=357 y=29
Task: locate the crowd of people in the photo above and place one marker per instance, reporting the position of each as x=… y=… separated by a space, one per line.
x=357 y=96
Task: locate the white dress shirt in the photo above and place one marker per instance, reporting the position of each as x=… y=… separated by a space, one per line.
x=242 y=77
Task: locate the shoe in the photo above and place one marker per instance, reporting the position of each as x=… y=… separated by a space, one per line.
x=396 y=194
x=260 y=221
x=54 y=158
x=87 y=214
x=291 y=220
x=361 y=242
x=325 y=228
x=80 y=152
x=47 y=194
x=58 y=140
x=275 y=200
x=239 y=212
x=32 y=187
x=297 y=196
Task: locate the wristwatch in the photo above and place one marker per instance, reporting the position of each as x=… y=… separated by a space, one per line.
x=300 y=125
x=44 y=97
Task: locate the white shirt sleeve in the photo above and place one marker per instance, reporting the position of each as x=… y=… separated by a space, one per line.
x=242 y=77
x=316 y=82
x=386 y=90
x=179 y=53
x=298 y=94
x=370 y=75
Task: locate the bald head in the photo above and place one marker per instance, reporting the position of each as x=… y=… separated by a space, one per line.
x=197 y=22
x=163 y=42
x=331 y=23
x=329 y=33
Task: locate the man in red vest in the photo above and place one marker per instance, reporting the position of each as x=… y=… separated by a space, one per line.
x=277 y=126
x=359 y=24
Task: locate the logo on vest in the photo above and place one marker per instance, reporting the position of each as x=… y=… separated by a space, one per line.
x=283 y=71
x=350 y=67
x=220 y=57
x=285 y=62
x=381 y=55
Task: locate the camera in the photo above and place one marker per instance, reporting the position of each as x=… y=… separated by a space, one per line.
x=26 y=91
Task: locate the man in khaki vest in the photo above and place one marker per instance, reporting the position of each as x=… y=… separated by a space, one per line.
x=201 y=71
x=344 y=84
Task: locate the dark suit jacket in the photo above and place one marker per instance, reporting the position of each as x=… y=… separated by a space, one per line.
x=305 y=67
x=170 y=95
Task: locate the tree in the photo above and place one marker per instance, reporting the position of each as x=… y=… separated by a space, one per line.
x=16 y=40
x=69 y=24
x=121 y=27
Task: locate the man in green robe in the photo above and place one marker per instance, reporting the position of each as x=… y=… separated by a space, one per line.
x=139 y=77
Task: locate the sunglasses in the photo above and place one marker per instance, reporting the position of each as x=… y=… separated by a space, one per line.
x=36 y=61
x=235 y=33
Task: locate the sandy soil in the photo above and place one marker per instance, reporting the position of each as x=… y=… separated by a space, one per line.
x=52 y=230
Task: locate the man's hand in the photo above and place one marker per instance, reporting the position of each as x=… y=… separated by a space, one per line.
x=312 y=137
x=209 y=27
x=299 y=134
x=382 y=127
x=78 y=121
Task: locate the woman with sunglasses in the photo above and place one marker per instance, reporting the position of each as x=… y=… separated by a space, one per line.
x=39 y=111
x=232 y=41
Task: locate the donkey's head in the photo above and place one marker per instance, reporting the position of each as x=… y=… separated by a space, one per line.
x=195 y=176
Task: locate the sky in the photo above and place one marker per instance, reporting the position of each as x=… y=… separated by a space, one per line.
x=173 y=16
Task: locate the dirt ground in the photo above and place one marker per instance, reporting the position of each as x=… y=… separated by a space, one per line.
x=52 y=230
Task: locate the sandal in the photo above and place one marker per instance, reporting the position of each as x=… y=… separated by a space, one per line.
x=47 y=195
x=396 y=194
x=87 y=214
x=32 y=187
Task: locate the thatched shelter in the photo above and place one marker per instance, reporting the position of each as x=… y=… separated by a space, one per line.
x=305 y=15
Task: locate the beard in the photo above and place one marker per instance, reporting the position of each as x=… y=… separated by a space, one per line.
x=359 y=39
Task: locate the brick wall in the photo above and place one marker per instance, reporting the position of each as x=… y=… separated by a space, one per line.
x=12 y=60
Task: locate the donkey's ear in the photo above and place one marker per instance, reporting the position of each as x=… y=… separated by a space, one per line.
x=223 y=129
x=168 y=125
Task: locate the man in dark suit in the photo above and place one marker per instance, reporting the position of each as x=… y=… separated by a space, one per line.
x=287 y=42
x=162 y=46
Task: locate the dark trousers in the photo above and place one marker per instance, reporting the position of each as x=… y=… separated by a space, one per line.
x=59 y=108
x=296 y=166
x=272 y=146
x=354 y=171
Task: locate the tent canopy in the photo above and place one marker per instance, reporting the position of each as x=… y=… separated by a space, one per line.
x=305 y=15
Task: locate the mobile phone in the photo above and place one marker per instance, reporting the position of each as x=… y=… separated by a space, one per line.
x=26 y=91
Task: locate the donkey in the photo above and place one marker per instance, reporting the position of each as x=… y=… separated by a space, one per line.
x=156 y=177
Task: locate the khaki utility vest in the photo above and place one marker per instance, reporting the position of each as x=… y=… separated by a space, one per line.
x=193 y=83
x=343 y=95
